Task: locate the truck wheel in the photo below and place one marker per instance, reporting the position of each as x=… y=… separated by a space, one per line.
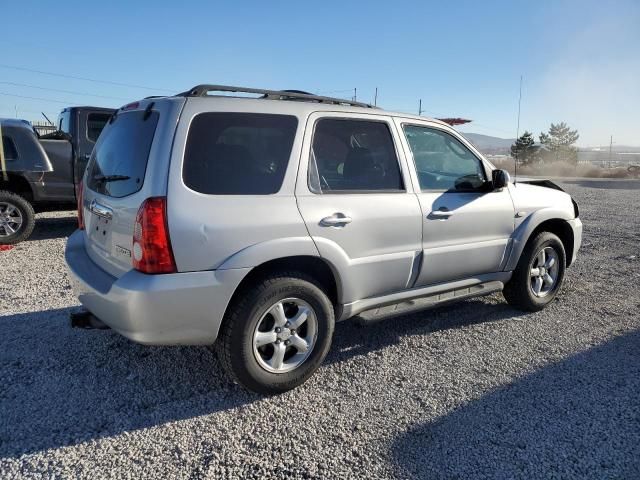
x=16 y=218
x=277 y=333
x=539 y=274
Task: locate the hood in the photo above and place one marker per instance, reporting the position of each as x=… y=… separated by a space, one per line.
x=531 y=195
x=541 y=182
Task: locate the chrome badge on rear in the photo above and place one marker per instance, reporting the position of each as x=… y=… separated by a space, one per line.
x=123 y=251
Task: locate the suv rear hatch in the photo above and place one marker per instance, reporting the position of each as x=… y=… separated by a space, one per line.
x=128 y=165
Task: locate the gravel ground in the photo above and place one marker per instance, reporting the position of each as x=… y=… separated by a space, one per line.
x=475 y=390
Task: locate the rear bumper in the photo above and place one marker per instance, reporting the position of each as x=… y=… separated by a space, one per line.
x=174 y=309
x=576 y=226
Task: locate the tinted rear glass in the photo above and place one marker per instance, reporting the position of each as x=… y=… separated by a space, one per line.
x=122 y=151
x=238 y=153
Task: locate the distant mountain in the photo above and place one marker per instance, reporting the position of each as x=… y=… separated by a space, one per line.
x=488 y=144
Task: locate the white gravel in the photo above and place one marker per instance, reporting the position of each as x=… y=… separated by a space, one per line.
x=476 y=390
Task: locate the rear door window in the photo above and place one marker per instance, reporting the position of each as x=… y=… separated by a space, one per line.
x=119 y=160
x=238 y=153
x=353 y=156
x=95 y=124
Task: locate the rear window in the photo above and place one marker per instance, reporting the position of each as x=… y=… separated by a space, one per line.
x=238 y=153
x=95 y=124
x=119 y=159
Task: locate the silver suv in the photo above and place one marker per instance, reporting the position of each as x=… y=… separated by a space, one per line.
x=256 y=223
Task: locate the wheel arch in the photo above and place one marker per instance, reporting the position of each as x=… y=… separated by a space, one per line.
x=564 y=232
x=17 y=184
x=555 y=222
x=314 y=266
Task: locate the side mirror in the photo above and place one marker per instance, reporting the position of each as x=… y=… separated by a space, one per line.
x=500 y=179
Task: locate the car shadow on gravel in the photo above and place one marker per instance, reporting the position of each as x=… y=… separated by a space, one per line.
x=578 y=418
x=62 y=386
x=353 y=338
x=51 y=228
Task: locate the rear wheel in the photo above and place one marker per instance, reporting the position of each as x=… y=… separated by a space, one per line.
x=539 y=274
x=277 y=333
x=17 y=218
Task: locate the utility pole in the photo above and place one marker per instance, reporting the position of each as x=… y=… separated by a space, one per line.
x=610 y=149
x=355 y=94
x=16 y=109
x=375 y=99
x=420 y=108
x=515 y=160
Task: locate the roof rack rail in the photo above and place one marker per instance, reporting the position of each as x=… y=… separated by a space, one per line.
x=203 y=91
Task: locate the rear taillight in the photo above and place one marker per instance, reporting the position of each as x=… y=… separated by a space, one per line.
x=80 y=197
x=151 y=245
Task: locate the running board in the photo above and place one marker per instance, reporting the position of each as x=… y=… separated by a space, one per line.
x=435 y=300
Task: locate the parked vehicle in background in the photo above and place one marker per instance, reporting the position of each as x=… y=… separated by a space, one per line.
x=42 y=172
x=258 y=223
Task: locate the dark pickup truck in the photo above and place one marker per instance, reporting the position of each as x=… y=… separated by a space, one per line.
x=41 y=172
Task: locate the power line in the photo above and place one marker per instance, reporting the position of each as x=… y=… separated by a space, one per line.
x=11 y=109
x=63 y=91
x=85 y=79
x=38 y=98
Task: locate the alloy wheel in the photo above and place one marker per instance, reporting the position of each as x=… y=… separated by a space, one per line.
x=285 y=335
x=543 y=272
x=10 y=219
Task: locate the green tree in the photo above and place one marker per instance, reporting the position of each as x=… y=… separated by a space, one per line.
x=523 y=150
x=559 y=142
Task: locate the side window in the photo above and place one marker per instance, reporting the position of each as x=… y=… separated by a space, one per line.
x=64 y=122
x=95 y=124
x=9 y=148
x=442 y=161
x=353 y=155
x=238 y=153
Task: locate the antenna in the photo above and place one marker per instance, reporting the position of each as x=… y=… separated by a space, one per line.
x=515 y=169
x=420 y=108
x=50 y=122
x=375 y=99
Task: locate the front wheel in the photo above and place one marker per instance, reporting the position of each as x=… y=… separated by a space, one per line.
x=277 y=333
x=17 y=218
x=539 y=274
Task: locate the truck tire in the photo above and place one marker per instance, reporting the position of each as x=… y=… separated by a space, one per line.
x=538 y=275
x=17 y=218
x=276 y=333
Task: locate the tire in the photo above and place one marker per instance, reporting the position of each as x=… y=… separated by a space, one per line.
x=254 y=318
x=520 y=291
x=20 y=218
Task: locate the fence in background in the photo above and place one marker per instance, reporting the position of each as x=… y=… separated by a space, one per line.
x=43 y=127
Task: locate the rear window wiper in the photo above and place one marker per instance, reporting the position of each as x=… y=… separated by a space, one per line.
x=110 y=178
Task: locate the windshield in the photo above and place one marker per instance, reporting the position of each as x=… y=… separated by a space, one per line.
x=119 y=159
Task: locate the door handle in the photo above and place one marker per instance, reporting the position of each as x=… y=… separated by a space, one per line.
x=100 y=210
x=441 y=214
x=335 y=220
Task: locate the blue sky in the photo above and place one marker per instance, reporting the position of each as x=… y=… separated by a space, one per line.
x=580 y=59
